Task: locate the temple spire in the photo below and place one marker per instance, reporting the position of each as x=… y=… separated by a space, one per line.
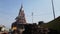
x=21 y=16
x=21 y=7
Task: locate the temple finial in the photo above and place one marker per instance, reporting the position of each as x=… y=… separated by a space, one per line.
x=21 y=7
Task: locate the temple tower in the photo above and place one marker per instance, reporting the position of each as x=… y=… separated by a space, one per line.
x=21 y=16
x=20 y=19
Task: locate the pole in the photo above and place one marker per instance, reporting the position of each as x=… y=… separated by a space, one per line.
x=53 y=9
x=32 y=17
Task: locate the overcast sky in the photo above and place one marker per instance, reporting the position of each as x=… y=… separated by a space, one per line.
x=42 y=10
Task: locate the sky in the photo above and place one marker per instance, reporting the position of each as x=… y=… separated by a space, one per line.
x=42 y=10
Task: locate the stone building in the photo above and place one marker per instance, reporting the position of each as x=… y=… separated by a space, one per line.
x=20 y=21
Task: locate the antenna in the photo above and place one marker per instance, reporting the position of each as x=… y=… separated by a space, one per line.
x=32 y=17
x=53 y=9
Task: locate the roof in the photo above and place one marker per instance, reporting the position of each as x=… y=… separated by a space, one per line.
x=54 y=24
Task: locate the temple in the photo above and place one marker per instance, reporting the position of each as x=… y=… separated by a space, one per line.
x=18 y=25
